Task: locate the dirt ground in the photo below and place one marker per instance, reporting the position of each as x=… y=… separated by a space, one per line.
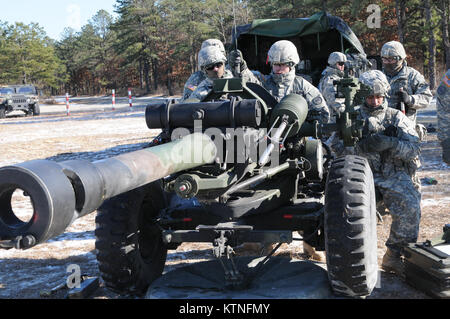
x=94 y=131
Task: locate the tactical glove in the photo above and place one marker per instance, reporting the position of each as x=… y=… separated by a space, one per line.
x=405 y=98
x=377 y=143
x=237 y=59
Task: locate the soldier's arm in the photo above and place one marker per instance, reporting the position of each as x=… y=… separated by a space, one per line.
x=315 y=100
x=248 y=76
x=202 y=90
x=443 y=108
x=408 y=146
x=421 y=92
x=329 y=91
x=189 y=87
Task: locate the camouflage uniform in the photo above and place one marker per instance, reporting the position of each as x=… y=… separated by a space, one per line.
x=443 y=113
x=410 y=80
x=393 y=168
x=192 y=83
x=414 y=83
x=298 y=85
x=280 y=85
x=326 y=86
x=196 y=78
x=209 y=56
x=357 y=64
x=206 y=86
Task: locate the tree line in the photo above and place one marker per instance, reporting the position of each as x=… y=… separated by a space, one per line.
x=152 y=46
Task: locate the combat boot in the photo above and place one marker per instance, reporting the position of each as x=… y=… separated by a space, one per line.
x=313 y=254
x=393 y=263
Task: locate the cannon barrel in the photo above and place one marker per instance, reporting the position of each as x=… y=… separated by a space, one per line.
x=62 y=192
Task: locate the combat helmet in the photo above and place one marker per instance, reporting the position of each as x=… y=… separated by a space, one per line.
x=375 y=82
x=285 y=52
x=336 y=57
x=393 y=48
x=210 y=55
x=214 y=43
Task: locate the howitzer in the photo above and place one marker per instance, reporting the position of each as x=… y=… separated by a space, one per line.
x=266 y=175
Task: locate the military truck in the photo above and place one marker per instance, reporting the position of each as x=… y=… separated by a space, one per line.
x=19 y=98
x=315 y=38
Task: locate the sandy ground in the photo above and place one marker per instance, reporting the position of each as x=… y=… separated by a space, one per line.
x=94 y=131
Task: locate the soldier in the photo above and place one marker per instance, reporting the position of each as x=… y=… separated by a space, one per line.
x=212 y=62
x=196 y=78
x=407 y=84
x=283 y=57
x=443 y=113
x=282 y=81
x=391 y=145
x=333 y=72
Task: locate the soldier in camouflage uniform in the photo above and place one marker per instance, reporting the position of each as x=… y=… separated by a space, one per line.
x=391 y=145
x=333 y=72
x=212 y=62
x=196 y=78
x=407 y=84
x=443 y=113
x=282 y=81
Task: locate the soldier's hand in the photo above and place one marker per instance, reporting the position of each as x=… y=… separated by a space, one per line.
x=314 y=115
x=377 y=143
x=405 y=98
x=236 y=58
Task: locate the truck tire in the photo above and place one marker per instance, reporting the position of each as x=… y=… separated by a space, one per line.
x=36 y=110
x=129 y=246
x=350 y=227
x=2 y=112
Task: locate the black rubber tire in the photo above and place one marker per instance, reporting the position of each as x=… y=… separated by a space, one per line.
x=350 y=227
x=129 y=246
x=2 y=112
x=36 y=110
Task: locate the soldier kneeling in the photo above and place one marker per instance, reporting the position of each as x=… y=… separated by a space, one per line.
x=391 y=145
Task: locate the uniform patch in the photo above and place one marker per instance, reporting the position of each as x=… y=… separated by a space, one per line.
x=192 y=87
x=317 y=100
x=446 y=81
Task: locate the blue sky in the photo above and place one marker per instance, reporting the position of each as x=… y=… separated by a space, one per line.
x=53 y=15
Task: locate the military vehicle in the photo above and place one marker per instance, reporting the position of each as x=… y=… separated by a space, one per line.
x=225 y=171
x=19 y=98
x=315 y=38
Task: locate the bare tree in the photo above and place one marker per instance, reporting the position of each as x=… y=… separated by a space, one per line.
x=431 y=45
x=443 y=8
x=400 y=12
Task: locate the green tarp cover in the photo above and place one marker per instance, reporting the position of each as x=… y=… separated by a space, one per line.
x=317 y=23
